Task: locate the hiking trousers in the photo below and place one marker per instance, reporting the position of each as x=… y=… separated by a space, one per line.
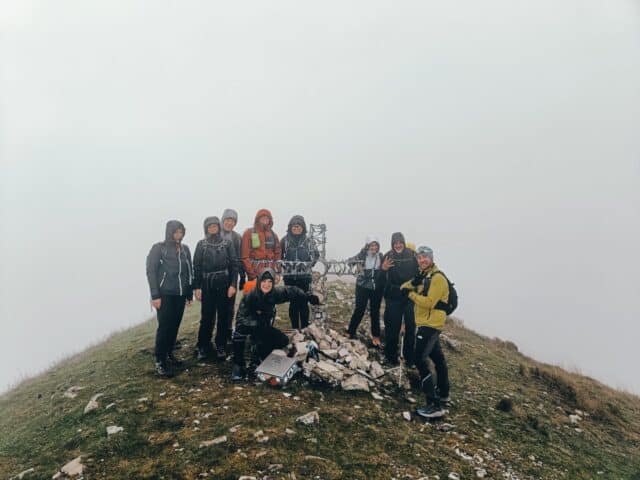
x=428 y=346
x=366 y=296
x=266 y=339
x=299 y=309
x=169 y=317
x=396 y=311
x=215 y=303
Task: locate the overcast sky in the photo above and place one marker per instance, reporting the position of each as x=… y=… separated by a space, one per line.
x=504 y=134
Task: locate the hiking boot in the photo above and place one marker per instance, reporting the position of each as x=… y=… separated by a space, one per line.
x=221 y=354
x=163 y=370
x=446 y=399
x=174 y=361
x=430 y=411
x=394 y=362
x=202 y=355
x=238 y=373
x=177 y=345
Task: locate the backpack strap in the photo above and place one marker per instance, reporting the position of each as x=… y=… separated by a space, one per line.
x=427 y=281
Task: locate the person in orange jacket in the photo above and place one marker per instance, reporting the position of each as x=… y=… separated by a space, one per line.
x=260 y=246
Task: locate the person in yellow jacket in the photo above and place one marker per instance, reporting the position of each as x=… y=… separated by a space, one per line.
x=429 y=290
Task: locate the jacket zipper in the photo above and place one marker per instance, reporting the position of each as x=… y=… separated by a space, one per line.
x=180 y=270
x=164 y=274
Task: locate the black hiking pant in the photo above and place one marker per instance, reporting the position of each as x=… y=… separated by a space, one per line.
x=374 y=299
x=230 y=314
x=299 y=309
x=396 y=311
x=169 y=317
x=266 y=339
x=428 y=346
x=214 y=303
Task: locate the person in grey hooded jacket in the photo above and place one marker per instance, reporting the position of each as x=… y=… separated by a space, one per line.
x=170 y=278
x=369 y=288
x=215 y=279
x=229 y=222
x=299 y=255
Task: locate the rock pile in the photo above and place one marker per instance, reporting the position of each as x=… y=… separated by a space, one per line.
x=343 y=362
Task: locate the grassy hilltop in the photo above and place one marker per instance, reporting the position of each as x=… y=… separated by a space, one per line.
x=512 y=417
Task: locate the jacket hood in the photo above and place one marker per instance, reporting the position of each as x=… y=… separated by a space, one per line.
x=370 y=239
x=260 y=213
x=266 y=273
x=230 y=213
x=172 y=226
x=398 y=237
x=297 y=220
x=211 y=221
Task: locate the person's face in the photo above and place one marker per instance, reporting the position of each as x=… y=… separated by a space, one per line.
x=296 y=229
x=213 y=229
x=424 y=262
x=229 y=224
x=374 y=247
x=178 y=235
x=398 y=246
x=264 y=220
x=266 y=285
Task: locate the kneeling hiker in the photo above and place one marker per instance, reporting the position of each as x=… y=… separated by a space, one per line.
x=255 y=318
x=429 y=291
x=215 y=277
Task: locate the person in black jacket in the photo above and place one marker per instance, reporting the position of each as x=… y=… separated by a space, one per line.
x=229 y=222
x=255 y=318
x=170 y=277
x=369 y=288
x=300 y=254
x=400 y=265
x=215 y=277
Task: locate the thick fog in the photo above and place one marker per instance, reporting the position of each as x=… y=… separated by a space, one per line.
x=504 y=134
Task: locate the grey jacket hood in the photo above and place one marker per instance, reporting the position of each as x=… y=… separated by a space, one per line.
x=211 y=221
x=172 y=226
x=230 y=213
x=297 y=220
x=398 y=237
x=370 y=239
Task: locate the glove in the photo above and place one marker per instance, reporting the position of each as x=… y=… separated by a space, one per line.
x=417 y=280
x=405 y=290
x=313 y=299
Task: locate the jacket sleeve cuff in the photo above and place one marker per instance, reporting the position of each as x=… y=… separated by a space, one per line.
x=155 y=296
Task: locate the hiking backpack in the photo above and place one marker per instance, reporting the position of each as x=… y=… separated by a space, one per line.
x=447 y=307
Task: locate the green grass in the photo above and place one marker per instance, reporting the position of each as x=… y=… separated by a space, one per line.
x=357 y=438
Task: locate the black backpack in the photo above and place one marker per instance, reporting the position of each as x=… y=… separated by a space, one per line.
x=446 y=307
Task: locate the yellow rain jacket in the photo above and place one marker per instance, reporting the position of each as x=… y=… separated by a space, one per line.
x=425 y=313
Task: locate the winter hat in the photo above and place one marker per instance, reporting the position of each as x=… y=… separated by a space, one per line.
x=426 y=251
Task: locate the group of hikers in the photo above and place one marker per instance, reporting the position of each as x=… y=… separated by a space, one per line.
x=418 y=296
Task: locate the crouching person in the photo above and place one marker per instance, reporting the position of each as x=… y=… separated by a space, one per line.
x=429 y=291
x=170 y=277
x=255 y=319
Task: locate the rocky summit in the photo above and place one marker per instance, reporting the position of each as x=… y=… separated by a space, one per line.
x=346 y=415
